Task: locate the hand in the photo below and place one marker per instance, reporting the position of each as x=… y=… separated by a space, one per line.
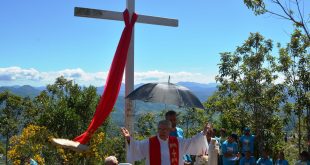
x=126 y=134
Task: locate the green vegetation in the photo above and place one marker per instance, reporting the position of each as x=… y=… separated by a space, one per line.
x=62 y=110
x=294 y=62
x=257 y=89
x=247 y=77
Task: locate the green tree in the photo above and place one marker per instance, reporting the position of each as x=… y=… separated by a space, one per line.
x=295 y=65
x=226 y=102
x=292 y=10
x=146 y=125
x=10 y=116
x=30 y=113
x=66 y=108
x=191 y=120
x=247 y=78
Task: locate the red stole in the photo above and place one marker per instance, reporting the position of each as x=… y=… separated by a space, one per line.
x=154 y=150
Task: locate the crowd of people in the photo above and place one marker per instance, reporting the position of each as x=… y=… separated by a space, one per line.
x=168 y=147
x=233 y=150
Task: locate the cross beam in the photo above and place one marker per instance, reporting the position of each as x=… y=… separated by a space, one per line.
x=118 y=16
x=129 y=72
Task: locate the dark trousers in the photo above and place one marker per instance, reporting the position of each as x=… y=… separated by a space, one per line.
x=220 y=160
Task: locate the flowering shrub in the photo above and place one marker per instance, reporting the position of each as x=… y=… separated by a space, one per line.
x=35 y=142
x=30 y=143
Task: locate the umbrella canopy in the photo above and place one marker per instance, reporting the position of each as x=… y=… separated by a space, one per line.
x=167 y=93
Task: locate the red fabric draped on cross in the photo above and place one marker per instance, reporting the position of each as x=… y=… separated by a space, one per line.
x=113 y=82
x=154 y=150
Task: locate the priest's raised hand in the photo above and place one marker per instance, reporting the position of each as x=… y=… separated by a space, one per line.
x=126 y=134
x=163 y=149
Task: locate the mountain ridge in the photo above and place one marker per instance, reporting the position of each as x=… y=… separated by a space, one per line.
x=202 y=91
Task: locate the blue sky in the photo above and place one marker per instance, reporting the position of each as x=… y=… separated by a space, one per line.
x=41 y=40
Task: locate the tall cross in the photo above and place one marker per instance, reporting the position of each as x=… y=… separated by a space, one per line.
x=129 y=73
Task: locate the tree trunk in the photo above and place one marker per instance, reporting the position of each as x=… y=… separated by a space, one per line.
x=6 y=149
x=299 y=132
x=259 y=126
x=308 y=129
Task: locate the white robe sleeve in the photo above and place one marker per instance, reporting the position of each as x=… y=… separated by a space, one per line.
x=137 y=150
x=213 y=152
x=197 y=145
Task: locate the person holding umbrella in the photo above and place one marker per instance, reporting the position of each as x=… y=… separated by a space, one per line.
x=163 y=149
x=177 y=131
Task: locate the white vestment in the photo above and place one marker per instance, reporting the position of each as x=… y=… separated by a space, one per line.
x=138 y=150
x=210 y=156
x=213 y=152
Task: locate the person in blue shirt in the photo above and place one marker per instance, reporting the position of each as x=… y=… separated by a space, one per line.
x=264 y=159
x=281 y=160
x=222 y=139
x=176 y=131
x=247 y=142
x=230 y=150
x=247 y=159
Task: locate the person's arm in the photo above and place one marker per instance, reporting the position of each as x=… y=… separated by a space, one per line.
x=136 y=150
x=258 y=161
x=197 y=145
x=228 y=154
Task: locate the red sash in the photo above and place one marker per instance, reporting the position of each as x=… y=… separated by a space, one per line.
x=154 y=148
x=114 y=80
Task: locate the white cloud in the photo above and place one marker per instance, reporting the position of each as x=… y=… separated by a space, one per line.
x=16 y=73
x=160 y=76
x=20 y=76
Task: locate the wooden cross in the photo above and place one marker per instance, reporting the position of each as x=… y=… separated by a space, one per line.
x=129 y=73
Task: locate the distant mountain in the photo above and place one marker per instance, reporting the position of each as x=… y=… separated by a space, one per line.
x=121 y=92
x=23 y=91
x=197 y=85
x=202 y=91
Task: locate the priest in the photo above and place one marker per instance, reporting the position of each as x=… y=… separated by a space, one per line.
x=163 y=149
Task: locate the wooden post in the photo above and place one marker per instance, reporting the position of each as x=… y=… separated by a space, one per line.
x=129 y=74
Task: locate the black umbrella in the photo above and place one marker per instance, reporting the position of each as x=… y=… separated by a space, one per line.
x=167 y=93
